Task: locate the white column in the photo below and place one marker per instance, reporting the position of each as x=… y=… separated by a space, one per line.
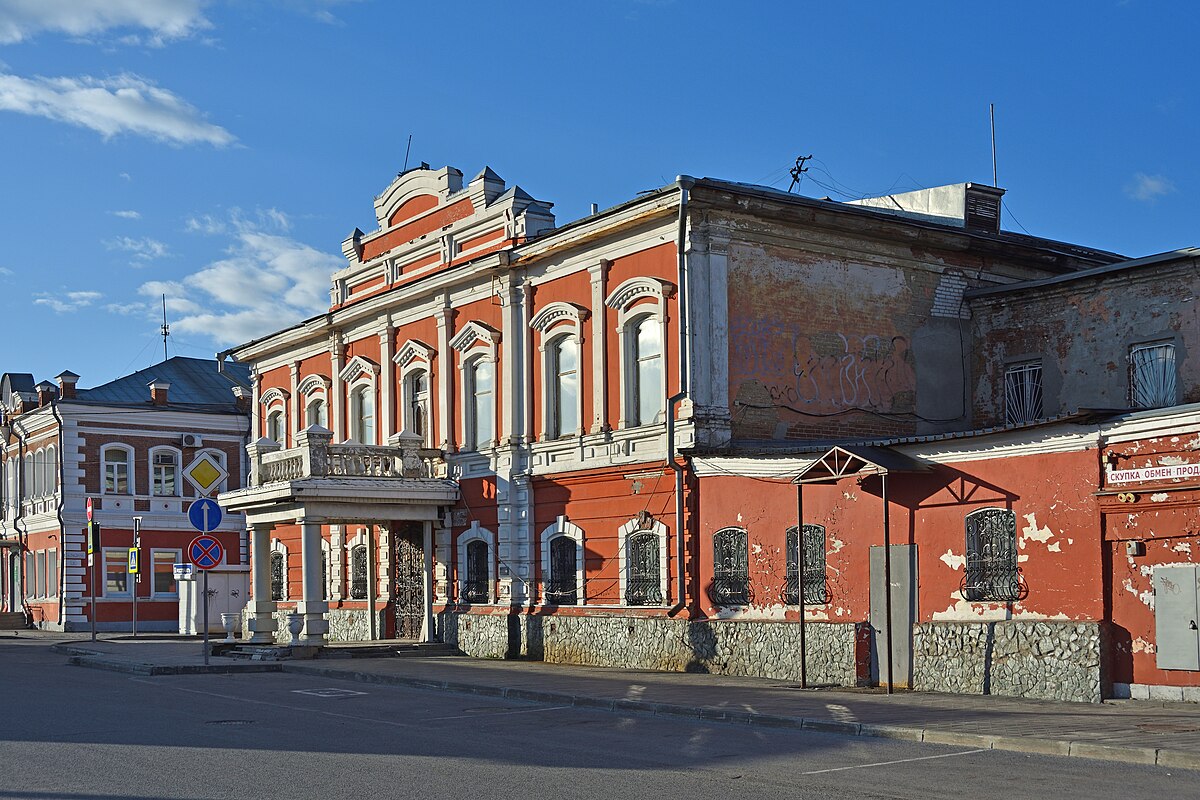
x=445 y=378
x=427 y=582
x=387 y=372
x=512 y=371
x=312 y=606
x=527 y=358
x=261 y=608
x=295 y=422
x=337 y=354
x=255 y=411
x=599 y=276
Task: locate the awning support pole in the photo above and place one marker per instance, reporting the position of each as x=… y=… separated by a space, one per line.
x=800 y=581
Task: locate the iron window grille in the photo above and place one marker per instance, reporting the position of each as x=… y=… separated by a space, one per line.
x=562 y=588
x=475 y=586
x=1023 y=393
x=1152 y=378
x=643 y=584
x=358 y=572
x=276 y=576
x=816 y=590
x=731 y=568
x=991 y=569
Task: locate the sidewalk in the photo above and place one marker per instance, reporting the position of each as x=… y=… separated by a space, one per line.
x=1133 y=731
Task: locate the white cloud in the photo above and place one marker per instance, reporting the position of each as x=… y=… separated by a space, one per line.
x=110 y=106
x=317 y=9
x=163 y=20
x=265 y=282
x=127 y=214
x=6 y=272
x=1148 y=188
x=144 y=250
x=68 y=301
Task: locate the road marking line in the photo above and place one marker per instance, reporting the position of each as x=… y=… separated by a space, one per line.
x=900 y=761
x=497 y=714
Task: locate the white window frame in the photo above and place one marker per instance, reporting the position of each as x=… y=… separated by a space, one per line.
x=564 y=527
x=641 y=525
x=361 y=372
x=470 y=434
x=553 y=323
x=176 y=558
x=122 y=558
x=52 y=577
x=275 y=401
x=633 y=299
x=278 y=547
x=475 y=533
x=311 y=389
x=130 y=472
x=360 y=539
x=39 y=473
x=154 y=470
x=412 y=357
x=50 y=474
x=474 y=342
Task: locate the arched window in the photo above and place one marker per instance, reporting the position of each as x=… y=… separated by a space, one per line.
x=816 y=590
x=564 y=390
x=475 y=584
x=278 y=576
x=358 y=572
x=731 y=568
x=164 y=472
x=416 y=404
x=362 y=414
x=276 y=430
x=646 y=360
x=643 y=586
x=991 y=570
x=562 y=588
x=316 y=413
x=50 y=479
x=481 y=411
x=115 y=468
x=39 y=473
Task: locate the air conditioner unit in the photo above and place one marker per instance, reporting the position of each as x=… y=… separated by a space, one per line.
x=164 y=459
x=192 y=440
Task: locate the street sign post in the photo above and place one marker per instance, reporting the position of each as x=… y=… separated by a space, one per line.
x=133 y=567
x=92 y=531
x=206 y=553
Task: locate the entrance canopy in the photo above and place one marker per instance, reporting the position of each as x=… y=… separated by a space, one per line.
x=845 y=461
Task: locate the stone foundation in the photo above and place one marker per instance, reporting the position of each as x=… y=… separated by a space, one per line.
x=719 y=647
x=1045 y=660
x=345 y=625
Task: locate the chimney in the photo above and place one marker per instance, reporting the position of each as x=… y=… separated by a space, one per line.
x=158 y=392
x=982 y=208
x=241 y=398
x=66 y=384
x=45 y=393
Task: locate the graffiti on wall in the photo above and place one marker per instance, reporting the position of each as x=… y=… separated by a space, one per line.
x=827 y=371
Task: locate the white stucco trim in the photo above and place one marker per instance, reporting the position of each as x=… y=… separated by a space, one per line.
x=638 y=525
x=564 y=527
x=476 y=534
x=279 y=547
x=552 y=323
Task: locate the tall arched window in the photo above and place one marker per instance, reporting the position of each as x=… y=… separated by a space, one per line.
x=991 y=570
x=731 y=568
x=316 y=413
x=164 y=472
x=475 y=584
x=562 y=588
x=358 y=572
x=564 y=391
x=278 y=576
x=816 y=590
x=275 y=426
x=50 y=475
x=646 y=361
x=481 y=413
x=643 y=586
x=39 y=473
x=416 y=404
x=115 y=465
x=362 y=414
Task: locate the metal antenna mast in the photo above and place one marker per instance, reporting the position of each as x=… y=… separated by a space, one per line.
x=797 y=172
x=406 y=152
x=992 y=108
x=165 y=329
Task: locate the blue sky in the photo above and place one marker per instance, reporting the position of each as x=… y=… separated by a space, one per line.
x=219 y=152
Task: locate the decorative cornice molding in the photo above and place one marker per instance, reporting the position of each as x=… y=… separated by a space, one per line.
x=636 y=288
x=274 y=395
x=554 y=313
x=473 y=332
x=356 y=367
x=413 y=349
x=314 y=383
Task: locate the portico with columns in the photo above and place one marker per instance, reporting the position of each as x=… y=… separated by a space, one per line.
x=317 y=485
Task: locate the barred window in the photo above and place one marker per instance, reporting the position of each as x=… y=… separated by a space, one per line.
x=643 y=585
x=991 y=569
x=731 y=568
x=277 y=576
x=816 y=590
x=1023 y=393
x=475 y=585
x=358 y=572
x=562 y=588
x=1152 y=378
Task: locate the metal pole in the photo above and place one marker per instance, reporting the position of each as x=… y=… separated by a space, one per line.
x=800 y=581
x=137 y=576
x=94 y=542
x=992 y=113
x=887 y=579
x=204 y=596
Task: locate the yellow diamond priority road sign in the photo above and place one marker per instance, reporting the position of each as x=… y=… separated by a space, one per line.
x=205 y=473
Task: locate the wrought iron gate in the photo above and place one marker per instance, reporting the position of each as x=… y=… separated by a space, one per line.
x=410 y=581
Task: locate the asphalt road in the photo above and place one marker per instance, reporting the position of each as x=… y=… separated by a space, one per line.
x=74 y=733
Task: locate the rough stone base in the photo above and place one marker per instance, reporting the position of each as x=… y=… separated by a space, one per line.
x=1046 y=660
x=345 y=625
x=762 y=649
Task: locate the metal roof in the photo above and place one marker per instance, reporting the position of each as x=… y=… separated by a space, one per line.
x=195 y=382
x=843 y=461
x=1093 y=272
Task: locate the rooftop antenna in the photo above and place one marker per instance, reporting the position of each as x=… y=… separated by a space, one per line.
x=797 y=172
x=165 y=329
x=406 y=152
x=992 y=107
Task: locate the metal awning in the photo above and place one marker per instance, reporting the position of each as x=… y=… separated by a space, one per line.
x=844 y=461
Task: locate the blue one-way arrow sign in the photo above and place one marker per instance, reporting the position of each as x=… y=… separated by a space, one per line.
x=204 y=514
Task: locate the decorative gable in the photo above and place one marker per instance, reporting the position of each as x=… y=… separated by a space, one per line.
x=413 y=349
x=357 y=367
x=474 y=332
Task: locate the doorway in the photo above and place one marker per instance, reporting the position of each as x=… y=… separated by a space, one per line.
x=410 y=580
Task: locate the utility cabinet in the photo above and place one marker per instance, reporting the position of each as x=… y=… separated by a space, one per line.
x=228 y=591
x=1177 y=616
